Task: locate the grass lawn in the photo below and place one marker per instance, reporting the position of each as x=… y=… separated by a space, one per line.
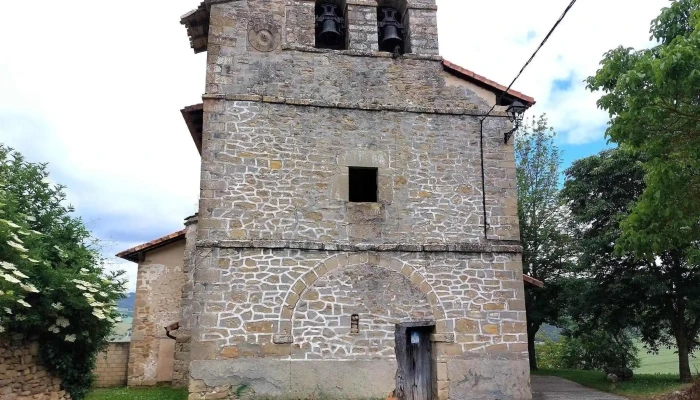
x=642 y=386
x=666 y=362
x=157 y=393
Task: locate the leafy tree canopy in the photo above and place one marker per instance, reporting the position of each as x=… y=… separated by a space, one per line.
x=653 y=98
x=542 y=234
x=53 y=288
x=660 y=297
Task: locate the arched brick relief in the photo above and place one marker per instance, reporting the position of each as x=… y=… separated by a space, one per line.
x=344 y=260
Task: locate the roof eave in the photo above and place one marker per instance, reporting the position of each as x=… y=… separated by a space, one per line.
x=135 y=254
x=483 y=81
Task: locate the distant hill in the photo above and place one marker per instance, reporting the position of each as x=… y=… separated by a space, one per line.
x=127 y=302
x=551 y=332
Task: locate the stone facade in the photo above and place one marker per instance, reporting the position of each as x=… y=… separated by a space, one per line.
x=296 y=292
x=181 y=375
x=157 y=305
x=112 y=365
x=22 y=377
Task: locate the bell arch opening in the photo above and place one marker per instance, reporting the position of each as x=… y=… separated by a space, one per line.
x=393 y=26
x=331 y=24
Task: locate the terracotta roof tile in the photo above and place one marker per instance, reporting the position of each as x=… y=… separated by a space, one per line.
x=484 y=81
x=533 y=281
x=132 y=254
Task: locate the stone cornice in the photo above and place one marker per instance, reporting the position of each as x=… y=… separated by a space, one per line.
x=473 y=112
x=357 y=53
x=492 y=247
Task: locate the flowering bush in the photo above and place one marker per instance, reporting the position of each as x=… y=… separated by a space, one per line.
x=53 y=287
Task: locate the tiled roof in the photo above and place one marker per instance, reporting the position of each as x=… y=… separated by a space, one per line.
x=533 y=281
x=133 y=253
x=484 y=81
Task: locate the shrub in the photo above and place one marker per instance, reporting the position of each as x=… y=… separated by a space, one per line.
x=53 y=287
x=596 y=350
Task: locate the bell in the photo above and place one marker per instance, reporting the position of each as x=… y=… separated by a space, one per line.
x=391 y=30
x=329 y=31
x=391 y=38
x=330 y=25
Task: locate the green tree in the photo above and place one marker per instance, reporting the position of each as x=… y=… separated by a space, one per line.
x=653 y=98
x=542 y=235
x=53 y=288
x=660 y=296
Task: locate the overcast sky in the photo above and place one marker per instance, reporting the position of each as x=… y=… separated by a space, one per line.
x=95 y=89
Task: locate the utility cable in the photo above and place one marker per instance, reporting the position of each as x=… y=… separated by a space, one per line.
x=546 y=38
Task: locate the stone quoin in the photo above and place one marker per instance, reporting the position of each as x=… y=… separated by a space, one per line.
x=291 y=290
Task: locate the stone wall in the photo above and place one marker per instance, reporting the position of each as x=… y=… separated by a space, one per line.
x=22 y=377
x=157 y=305
x=280 y=171
x=112 y=365
x=284 y=260
x=295 y=306
x=181 y=366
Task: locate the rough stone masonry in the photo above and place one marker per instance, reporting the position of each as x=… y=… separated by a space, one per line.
x=296 y=292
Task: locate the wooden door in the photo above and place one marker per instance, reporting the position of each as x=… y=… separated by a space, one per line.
x=414 y=377
x=419 y=377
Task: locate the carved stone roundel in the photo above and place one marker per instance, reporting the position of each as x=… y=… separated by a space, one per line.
x=263 y=35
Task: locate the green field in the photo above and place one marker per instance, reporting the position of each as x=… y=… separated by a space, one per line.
x=120 y=329
x=163 y=393
x=666 y=362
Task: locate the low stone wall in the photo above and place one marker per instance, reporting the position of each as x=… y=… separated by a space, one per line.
x=112 y=365
x=21 y=375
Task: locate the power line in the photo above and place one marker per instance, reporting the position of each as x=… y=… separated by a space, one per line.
x=546 y=38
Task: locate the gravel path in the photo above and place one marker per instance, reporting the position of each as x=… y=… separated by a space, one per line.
x=553 y=388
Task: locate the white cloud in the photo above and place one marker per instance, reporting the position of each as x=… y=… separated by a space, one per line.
x=95 y=89
x=490 y=38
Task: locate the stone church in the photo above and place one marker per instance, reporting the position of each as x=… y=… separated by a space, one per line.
x=357 y=234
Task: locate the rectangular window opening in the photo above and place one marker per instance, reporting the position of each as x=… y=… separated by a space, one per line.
x=363 y=185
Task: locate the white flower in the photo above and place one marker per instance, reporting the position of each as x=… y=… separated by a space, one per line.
x=2 y=329
x=62 y=322
x=92 y=290
x=23 y=233
x=118 y=319
x=54 y=329
x=57 y=306
x=21 y=275
x=30 y=218
x=24 y=303
x=29 y=288
x=81 y=287
x=7 y=310
x=98 y=314
x=7 y=265
x=88 y=296
x=70 y=338
x=32 y=260
x=84 y=270
x=102 y=294
x=35 y=232
x=1 y=293
x=10 y=223
x=97 y=304
x=16 y=238
x=10 y=278
x=17 y=246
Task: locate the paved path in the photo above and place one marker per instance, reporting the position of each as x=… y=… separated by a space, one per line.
x=553 y=388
